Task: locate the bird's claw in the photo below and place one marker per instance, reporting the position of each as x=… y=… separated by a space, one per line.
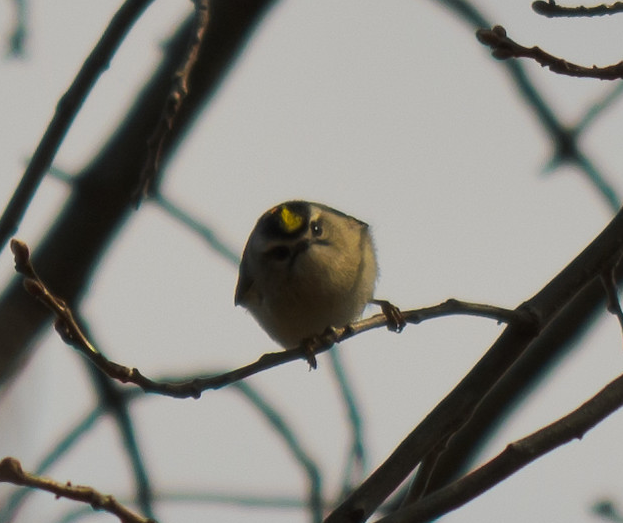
x=395 y=319
x=310 y=356
x=327 y=338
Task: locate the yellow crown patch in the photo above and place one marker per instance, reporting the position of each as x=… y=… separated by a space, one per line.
x=290 y=221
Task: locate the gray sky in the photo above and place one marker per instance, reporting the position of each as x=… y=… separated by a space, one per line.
x=393 y=113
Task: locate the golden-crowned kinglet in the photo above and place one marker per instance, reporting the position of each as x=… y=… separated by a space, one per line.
x=306 y=267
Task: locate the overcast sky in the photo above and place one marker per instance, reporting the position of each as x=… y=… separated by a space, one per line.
x=391 y=112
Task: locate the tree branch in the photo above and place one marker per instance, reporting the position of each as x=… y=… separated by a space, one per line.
x=174 y=101
x=552 y=10
x=516 y=456
x=72 y=334
x=66 y=110
x=562 y=334
x=459 y=405
x=503 y=48
x=100 y=200
x=11 y=472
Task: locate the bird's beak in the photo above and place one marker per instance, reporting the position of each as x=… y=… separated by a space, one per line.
x=299 y=248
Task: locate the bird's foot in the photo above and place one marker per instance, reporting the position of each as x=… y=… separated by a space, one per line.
x=395 y=319
x=310 y=345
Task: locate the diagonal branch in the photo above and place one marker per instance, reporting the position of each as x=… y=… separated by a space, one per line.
x=11 y=472
x=66 y=110
x=293 y=443
x=173 y=103
x=100 y=201
x=560 y=336
x=460 y=404
x=516 y=456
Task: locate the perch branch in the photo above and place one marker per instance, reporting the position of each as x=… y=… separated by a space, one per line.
x=73 y=335
x=456 y=409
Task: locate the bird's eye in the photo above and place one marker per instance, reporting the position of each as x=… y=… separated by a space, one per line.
x=279 y=253
x=316 y=228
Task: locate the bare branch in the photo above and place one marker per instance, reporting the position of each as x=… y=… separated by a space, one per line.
x=356 y=462
x=174 y=101
x=66 y=111
x=565 y=140
x=516 y=456
x=207 y=234
x=293 y=443
x=73 y=335
x=552 y=10
x=597 y=109
x=503 y=48
x=100 y=201
x=11 y=472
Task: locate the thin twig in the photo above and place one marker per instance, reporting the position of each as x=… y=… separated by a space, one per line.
x=252 y=502
x=552 y=10
x=173 y=103
x=356 y=464
x=597 y=109
x=516 y=456
x=293 y=442
x=66 y=110
x=211 y=238
x=503 y=48
x=72 y=334
x=115 y=402
x=16 y=500
x=565 y=139
x=11 y=472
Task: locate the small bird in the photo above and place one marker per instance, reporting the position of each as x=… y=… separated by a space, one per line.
x=307 y=267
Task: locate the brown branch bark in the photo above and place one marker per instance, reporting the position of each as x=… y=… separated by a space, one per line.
x=73 y=335
x=552 y=10
x=503 y=47
x=11 y=472
x=173 y=104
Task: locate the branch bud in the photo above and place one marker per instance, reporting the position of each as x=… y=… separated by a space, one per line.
x=21 y=253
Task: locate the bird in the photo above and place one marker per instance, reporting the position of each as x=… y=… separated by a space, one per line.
x=306 y=268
